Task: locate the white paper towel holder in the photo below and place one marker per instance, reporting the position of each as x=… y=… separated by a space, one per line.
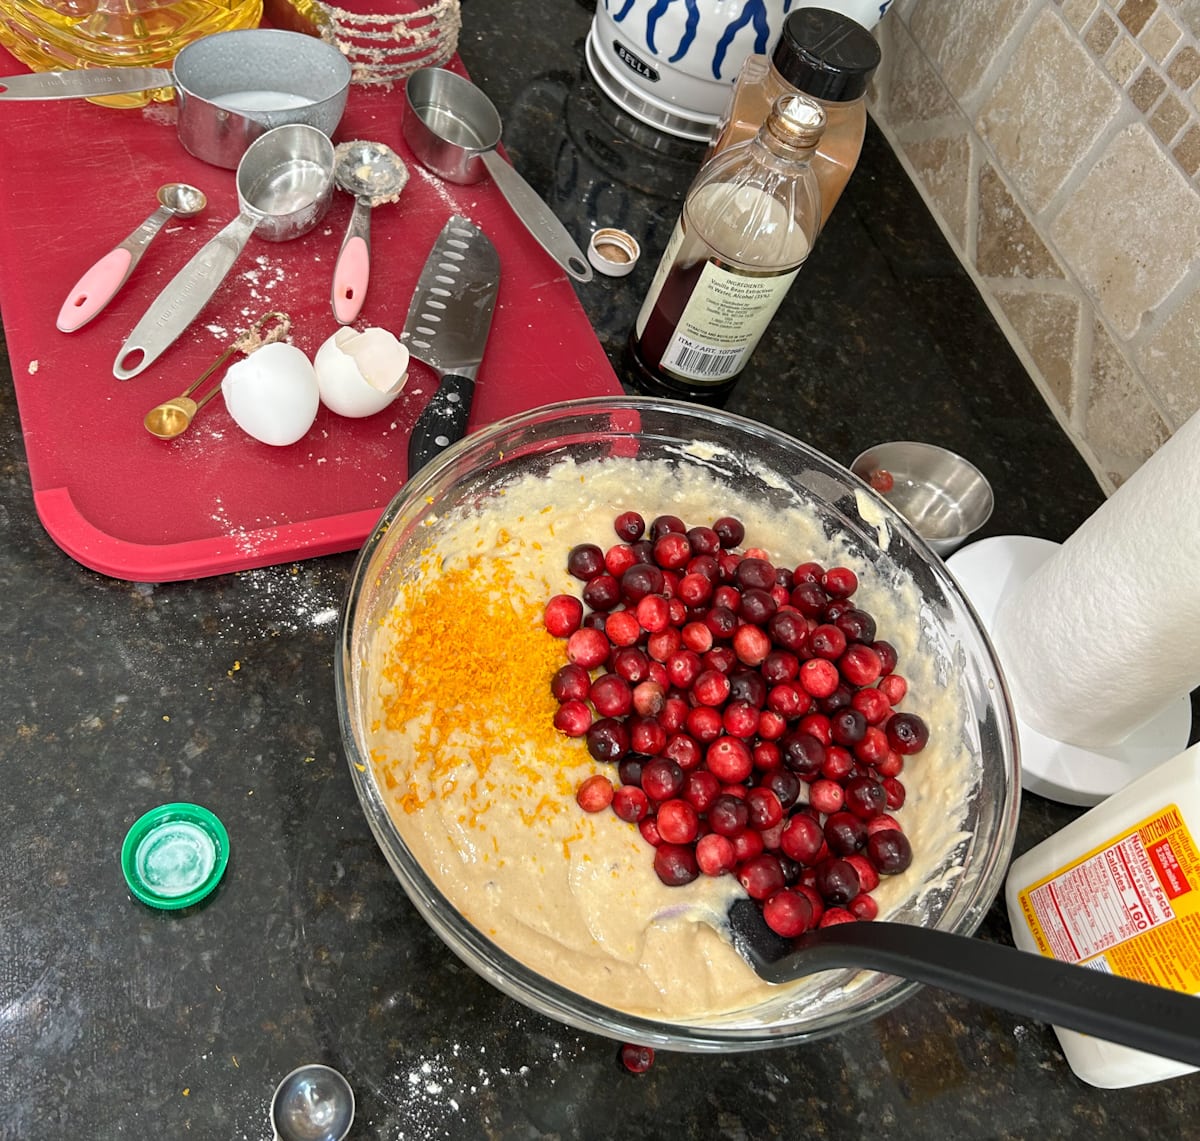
x=987 y=570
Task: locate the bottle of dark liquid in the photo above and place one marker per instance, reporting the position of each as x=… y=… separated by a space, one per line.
x=748 y=223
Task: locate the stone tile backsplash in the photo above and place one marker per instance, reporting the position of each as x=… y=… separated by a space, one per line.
x=1058 y=144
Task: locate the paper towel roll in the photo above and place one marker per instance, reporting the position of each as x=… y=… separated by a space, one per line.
x=1106 y=633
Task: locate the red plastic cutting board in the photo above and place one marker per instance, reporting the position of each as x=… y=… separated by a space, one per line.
x=75 y=180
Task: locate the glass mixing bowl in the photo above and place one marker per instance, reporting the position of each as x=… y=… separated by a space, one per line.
x=770 y=467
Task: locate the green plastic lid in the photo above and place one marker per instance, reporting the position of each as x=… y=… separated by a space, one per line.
x=174 y=855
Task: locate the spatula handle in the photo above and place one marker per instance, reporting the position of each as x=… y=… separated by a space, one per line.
x=1149 y=1018
x=442 y=421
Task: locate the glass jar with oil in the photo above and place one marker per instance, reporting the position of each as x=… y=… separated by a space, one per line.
x=53 y=35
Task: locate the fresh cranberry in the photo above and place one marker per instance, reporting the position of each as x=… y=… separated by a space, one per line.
x=865 y=797
x=705 y=565
x=818 y=677
x=870 y=703
x=563 y=615
x=675 y=864
x=788 y=913
x=694 y=589
x=630 y=803
x=649 y=698
x=827 y=641
x=868 y=877
x=873 y=747
x=748 y=687
x=629 y=526
x=807 y=572
x=757 y=607
x=751 y=644
x=809 y=598
x=611 y=695
x=764 y=808
x=789 y=630
x=636 y=1059
x=585 y=561
x=771 y=726
x=802 y=753
x=802 y=838
x=892 y=764
x=674 y=712
x=672 y=551
x=739 y=719
x=677 y=822
x=697 y=637
x=838 y=763
x=711 y=688
x=573 y=718
x=860 y=665
x=653 y=615
x=704 y=723
x=779 y=666
x=720 y=658
x=684 y=750
x=704 y=540
x=837 y=881
x=570 y=683
x=662 y=779
x=602 y=592
x=755 y=574
x=784 y=784
x=761 y=876
x=839 y=582
x=847 y=726
x=893 y=687
x=863 y=907
x=728 y=816
x=721 y=622
x=729 y=759
x=594 y=794
x=845 y=833
x=889 y=851
x=684 y=668
x=629 y=769
x=857 y=625
x=715 y=854
x=646 y=736
x=730 y=531
x=765 y=753
x=618 y=559
x=838 y=699
x=907 y=733
x=607 y=739
x=623 y=629
x=826 y=796
x=666 y=525
x=835 y=915
x=895 y=793
x=882 y=823
x=887 y=655
x=587 y=648
x=700 y=789
x=640 y=580
x=648 y=828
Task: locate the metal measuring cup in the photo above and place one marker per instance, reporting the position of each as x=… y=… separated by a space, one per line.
x=454 y=129
x=284 y=186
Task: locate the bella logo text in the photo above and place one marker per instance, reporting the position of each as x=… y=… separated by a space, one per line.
x=635 y=64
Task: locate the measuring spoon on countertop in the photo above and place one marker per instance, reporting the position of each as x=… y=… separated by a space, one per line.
x=99 y=285
x=374 y=174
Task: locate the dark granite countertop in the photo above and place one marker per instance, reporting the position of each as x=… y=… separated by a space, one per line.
x=119 y=1021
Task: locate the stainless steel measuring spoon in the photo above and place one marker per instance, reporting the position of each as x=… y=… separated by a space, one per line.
x=99 y=285
x=374 y=174
x=284 y=184
x=454 y=129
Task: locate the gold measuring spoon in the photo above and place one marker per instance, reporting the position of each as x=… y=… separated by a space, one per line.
x=172 y=417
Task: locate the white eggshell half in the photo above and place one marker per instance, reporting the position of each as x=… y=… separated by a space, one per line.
x=360 y=373
x=273 y=394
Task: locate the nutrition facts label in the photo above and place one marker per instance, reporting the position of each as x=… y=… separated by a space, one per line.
x=1130 y=907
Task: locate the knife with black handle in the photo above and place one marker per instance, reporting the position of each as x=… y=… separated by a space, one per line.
x=447 y=329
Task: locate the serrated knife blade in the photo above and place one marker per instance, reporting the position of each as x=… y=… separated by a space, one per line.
x=447 y=329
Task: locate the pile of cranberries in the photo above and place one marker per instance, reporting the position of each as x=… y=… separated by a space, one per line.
x=748 y=711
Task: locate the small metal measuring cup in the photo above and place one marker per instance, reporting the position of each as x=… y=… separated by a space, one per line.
x=454 y=129
x=284 y=186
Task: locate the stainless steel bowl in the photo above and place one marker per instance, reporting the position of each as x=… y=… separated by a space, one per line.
x=944 y=497
x=759 y=463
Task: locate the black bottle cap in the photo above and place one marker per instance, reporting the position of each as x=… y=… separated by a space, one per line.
x=826 y=54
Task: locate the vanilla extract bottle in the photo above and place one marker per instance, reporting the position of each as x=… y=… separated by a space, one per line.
x=747 y=226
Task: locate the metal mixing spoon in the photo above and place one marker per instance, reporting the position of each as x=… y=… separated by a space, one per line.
x=374 y=174
x=99 y=285
x=313 y=1103
x=172 y=417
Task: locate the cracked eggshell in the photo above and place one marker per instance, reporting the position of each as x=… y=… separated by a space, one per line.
x=273 y=394
x=360 y=373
